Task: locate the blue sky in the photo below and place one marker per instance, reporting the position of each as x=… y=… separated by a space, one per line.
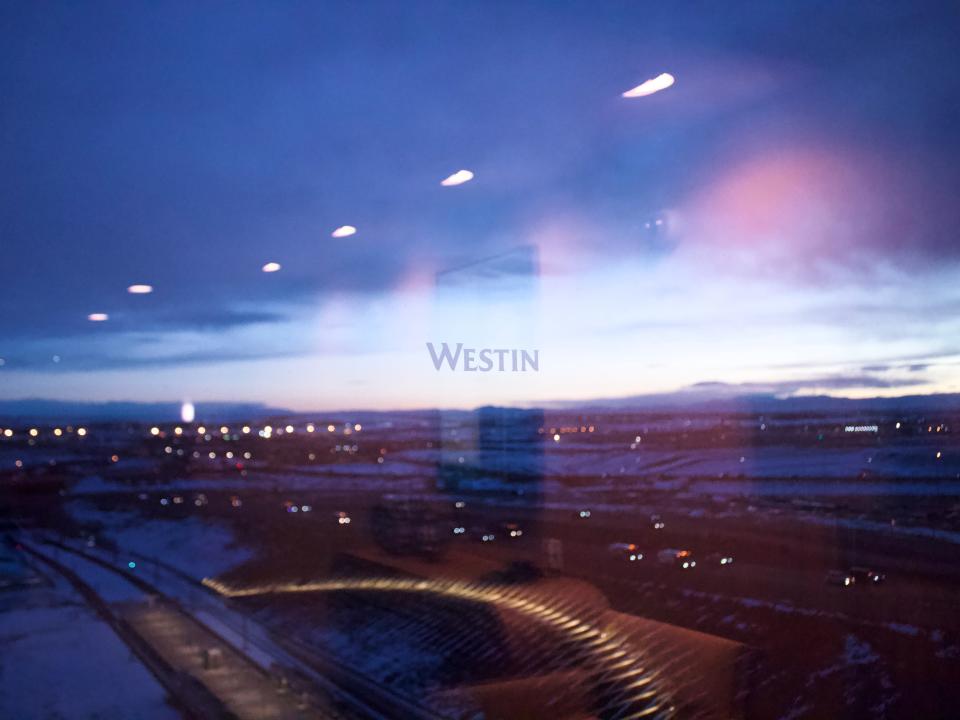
x=803 y=170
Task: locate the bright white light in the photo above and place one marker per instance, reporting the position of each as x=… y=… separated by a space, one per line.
x=344 y=231
x=861 y=428
x=140 y=289
x=98 y=317
x=188 y=412
x=458 y=178
x=649 y=87
x=271 y=267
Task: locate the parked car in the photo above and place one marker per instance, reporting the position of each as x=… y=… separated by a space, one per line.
x=628 y=551
x=719 y=560
x=682 y=559
x=866 y=576
x=840 y=578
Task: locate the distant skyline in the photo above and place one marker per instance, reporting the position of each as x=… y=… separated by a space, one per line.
x=782 y=218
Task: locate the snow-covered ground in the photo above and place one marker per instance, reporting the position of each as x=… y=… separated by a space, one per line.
x=58 y=660
x=200 y=547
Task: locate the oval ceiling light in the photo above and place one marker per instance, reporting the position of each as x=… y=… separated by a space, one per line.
x=344 y=231
x=140 y=289
x=458 y=178
x=271 y=267
x=649 y=87
x=98 y=317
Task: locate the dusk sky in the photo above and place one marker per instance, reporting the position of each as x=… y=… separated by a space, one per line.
x=783 y=218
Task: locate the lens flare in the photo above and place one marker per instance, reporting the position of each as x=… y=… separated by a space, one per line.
x=271 y=267
x=140 y=289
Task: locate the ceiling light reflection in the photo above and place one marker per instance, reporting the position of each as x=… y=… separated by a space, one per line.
x=649 y=87
x=458 y=178
x=344 y=231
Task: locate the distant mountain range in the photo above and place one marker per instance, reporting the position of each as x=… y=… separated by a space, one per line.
x=158 y=412
x=705 y=401
x=714 y=398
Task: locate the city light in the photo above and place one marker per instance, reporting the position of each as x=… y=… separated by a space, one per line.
x=81 y=432
x=458 y=178
x=649 y=87
x=154 y=431
x=344 y=231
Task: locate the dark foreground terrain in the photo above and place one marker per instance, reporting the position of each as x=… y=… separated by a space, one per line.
x=522 y=563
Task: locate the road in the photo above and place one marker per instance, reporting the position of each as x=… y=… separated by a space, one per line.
x=175 y=645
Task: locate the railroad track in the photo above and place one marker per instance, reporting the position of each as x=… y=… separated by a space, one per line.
x=296 y=666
